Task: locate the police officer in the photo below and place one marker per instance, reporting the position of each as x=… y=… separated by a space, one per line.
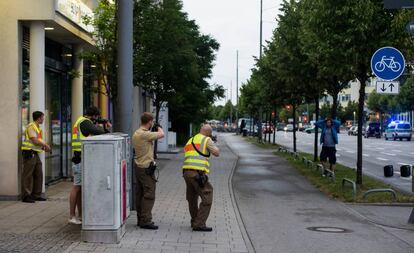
x=84 y=126
x=195 y=169
x=142 y=140
x=33 y=144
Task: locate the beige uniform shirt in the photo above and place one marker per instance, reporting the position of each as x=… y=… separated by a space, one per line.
x=211 y=147
x=142 y=140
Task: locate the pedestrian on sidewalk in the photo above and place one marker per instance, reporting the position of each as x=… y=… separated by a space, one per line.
x=196 y=166
x=329 y=139
x=33 y=144
x=145 y=166
x=85 y=126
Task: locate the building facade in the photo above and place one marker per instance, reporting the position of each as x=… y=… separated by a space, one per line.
x=40 y=47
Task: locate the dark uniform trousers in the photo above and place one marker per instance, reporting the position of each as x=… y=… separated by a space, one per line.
x=32 y=176
x=199 y=214
x=144 y=196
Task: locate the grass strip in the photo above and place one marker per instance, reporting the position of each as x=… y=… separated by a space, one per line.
x=334 y=189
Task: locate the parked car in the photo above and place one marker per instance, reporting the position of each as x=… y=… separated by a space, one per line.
x=288 y=128
x=352 y=130
x=398 y=130
x=280 y=126
x=373 y=130
x=304 y=126
x=310 y=130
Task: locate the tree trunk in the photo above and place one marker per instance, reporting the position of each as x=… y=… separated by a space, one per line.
x=315 y=147
x=294 y=127
x=117 y=121
x=362 y=79
x=334 y=109
x=274 y=128
x=270 y=126
x=157 y=116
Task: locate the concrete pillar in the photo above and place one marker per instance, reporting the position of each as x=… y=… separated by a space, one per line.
x=37 y=76
x=77 y=84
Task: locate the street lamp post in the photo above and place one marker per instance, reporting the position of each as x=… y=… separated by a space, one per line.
x=354 y=119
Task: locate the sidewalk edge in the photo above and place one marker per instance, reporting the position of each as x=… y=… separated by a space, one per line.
x=245 y=234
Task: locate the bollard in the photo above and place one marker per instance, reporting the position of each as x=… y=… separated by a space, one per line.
x=388 y=171
x=405 y=170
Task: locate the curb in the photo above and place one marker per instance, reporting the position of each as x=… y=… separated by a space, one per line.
x=242 y=226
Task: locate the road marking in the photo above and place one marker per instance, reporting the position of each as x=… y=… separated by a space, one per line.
x=388 y=154
x=412 y=153
x=339 y=149
x=398 y=151
x=404 y=164
x=380 y=148
x=338 y=155
x=382 y=159
x=366 y=155
x=350 y=151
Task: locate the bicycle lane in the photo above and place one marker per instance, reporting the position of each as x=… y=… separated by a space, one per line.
x=279 y=208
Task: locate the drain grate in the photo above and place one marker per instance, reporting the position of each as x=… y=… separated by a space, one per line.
x=329 y=229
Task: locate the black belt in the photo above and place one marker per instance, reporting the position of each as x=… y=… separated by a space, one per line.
x=29 y=151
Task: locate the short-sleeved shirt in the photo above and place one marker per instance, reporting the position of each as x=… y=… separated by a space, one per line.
x=142 y=140
x=328 y=138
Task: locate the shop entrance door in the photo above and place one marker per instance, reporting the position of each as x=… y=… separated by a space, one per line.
x=57 y=125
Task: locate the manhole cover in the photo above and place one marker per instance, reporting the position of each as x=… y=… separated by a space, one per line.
x=329 y=229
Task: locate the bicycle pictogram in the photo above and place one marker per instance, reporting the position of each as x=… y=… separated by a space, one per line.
x=387 y=63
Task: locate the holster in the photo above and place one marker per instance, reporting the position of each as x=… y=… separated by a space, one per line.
x=150 y=171
x=202 y=179
x=76 y=159
x=27 y=154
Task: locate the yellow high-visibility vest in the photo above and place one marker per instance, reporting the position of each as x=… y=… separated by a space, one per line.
x=77 y=135
x=192 y=159
x=27 y=142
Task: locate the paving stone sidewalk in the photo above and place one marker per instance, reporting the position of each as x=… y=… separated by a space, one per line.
x=52 y=234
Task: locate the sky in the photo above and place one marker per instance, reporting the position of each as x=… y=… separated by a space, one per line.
x=235 y=24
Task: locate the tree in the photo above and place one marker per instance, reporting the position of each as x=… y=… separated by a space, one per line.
x=173 y=60
x=104 y=55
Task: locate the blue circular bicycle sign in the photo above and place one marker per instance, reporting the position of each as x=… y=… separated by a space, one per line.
x=388 y=63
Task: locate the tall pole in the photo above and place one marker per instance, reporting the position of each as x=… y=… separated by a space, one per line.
x=231 y=104
x=261 y=28
x=259 y=130
x=125 y=86
x=237 y=91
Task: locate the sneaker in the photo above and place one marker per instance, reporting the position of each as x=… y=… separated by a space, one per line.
x=74 y=221
x=149 y=226
x=40 y=199
x=203 y=229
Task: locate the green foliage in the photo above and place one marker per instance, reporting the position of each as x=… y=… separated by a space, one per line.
x=103 y=57
x=227 y=110
x=406 y=96
x=173 y=60
x=347 y=113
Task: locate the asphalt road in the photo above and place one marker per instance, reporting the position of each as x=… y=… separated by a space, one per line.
x=279 y=208
x=376 y=154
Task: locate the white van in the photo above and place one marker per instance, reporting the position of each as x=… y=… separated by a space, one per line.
x=398 y=130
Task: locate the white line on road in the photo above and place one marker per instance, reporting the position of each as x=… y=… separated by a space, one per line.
x=350 y=151
x=380 y=148
x=403 y=163
x=398 y=151
x=366 y=155
x=382 y=159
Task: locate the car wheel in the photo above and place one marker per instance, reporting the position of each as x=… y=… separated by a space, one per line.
x=409 y=139
x=395 y=138
x=400 y=139
x=386 y=138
